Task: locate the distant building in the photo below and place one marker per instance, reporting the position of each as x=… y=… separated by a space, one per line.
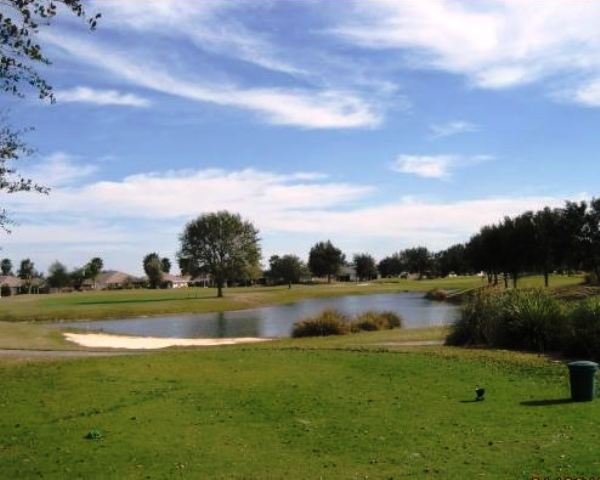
x=347 y=274
x=112 y=280
x=175 y=281
x=12 y=282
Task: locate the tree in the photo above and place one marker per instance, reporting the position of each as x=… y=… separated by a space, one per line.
x=288 y=269
x=165 y=265
x=221 y=244
x=418 y=260
x=19 y=24
x=365 y=266
x=546 y=224
x=6 y=266
x=589 y=238
x=94 y=268
x=13 y=148
x=153 y=269
x=20 y=53
x=325 y=260
x=452 y=260
x=391 y=266
x=27 y=273
x=58 y=276
x=78 y=276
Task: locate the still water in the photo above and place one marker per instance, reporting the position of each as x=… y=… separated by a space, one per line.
x=276 y=321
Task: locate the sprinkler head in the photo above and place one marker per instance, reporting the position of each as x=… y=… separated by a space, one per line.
x=480 y=392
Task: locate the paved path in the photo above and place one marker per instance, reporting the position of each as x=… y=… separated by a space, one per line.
x=21 y=353
x=415 y=343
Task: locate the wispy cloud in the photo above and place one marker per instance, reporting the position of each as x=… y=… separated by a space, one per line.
x=435 y=166
x=496 y=44
x=59 y=170
x=440 y=130
x=101 y=97
x=212 y=26
x=308 y=108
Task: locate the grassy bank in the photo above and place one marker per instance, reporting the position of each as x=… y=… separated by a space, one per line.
x=124 y=303
x=295 y=409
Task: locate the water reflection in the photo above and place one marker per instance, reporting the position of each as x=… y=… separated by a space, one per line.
x=276 y=321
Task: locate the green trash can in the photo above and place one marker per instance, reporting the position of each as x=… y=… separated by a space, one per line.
x=582 y=376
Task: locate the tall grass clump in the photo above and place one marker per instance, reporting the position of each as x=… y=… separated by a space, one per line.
x=532 y=320
x=517 y=319
x=479 y=317
x=332 y=322
x=585 y=330
x=328 y=322
x=371 y=321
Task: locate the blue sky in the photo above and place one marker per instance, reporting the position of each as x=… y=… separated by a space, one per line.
x=378 y=124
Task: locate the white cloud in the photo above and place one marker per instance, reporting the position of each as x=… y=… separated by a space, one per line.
x=434 y=166
x=496 y=44
x=101 y=97
x=121 y=220
x=448 y=129
x=59 y=169
x=307 y=108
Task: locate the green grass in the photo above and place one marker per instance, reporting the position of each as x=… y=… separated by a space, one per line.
x=23 y=335
x=295 y=410
x=124 y=303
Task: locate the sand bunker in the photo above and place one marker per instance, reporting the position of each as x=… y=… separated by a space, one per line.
x=104 y=340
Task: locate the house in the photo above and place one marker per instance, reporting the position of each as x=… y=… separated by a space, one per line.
x=12 y=282
x=347 y=274
x=175 y=281
x=111 y=280
x=202 y=280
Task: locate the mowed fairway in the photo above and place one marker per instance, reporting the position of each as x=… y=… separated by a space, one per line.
x=303 y=412
x=127 y=303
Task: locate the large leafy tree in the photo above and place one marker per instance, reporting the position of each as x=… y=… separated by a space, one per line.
x=20 y=54
x=366 y=269
x=418 y=260
x=325 y=260
x=222 y=244
x=153 y=269
x=6 y=266
x=288 y=269
x=20 y=21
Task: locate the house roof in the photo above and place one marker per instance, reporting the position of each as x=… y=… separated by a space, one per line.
x=113 y=277
x=11 y=281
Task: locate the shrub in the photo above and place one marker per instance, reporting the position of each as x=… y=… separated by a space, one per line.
x=478 y=320
x=590 y=278
x=328 y=322
x=585 y=330
x=371 y=321
x=437 y=294
x=529 y=320
x=5 y=291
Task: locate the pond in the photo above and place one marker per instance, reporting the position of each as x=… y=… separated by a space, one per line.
x=275 y=321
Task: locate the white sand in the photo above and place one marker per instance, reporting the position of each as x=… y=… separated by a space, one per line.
x=104 y=340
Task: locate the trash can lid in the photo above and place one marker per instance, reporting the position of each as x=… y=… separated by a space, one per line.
x=583 y=364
